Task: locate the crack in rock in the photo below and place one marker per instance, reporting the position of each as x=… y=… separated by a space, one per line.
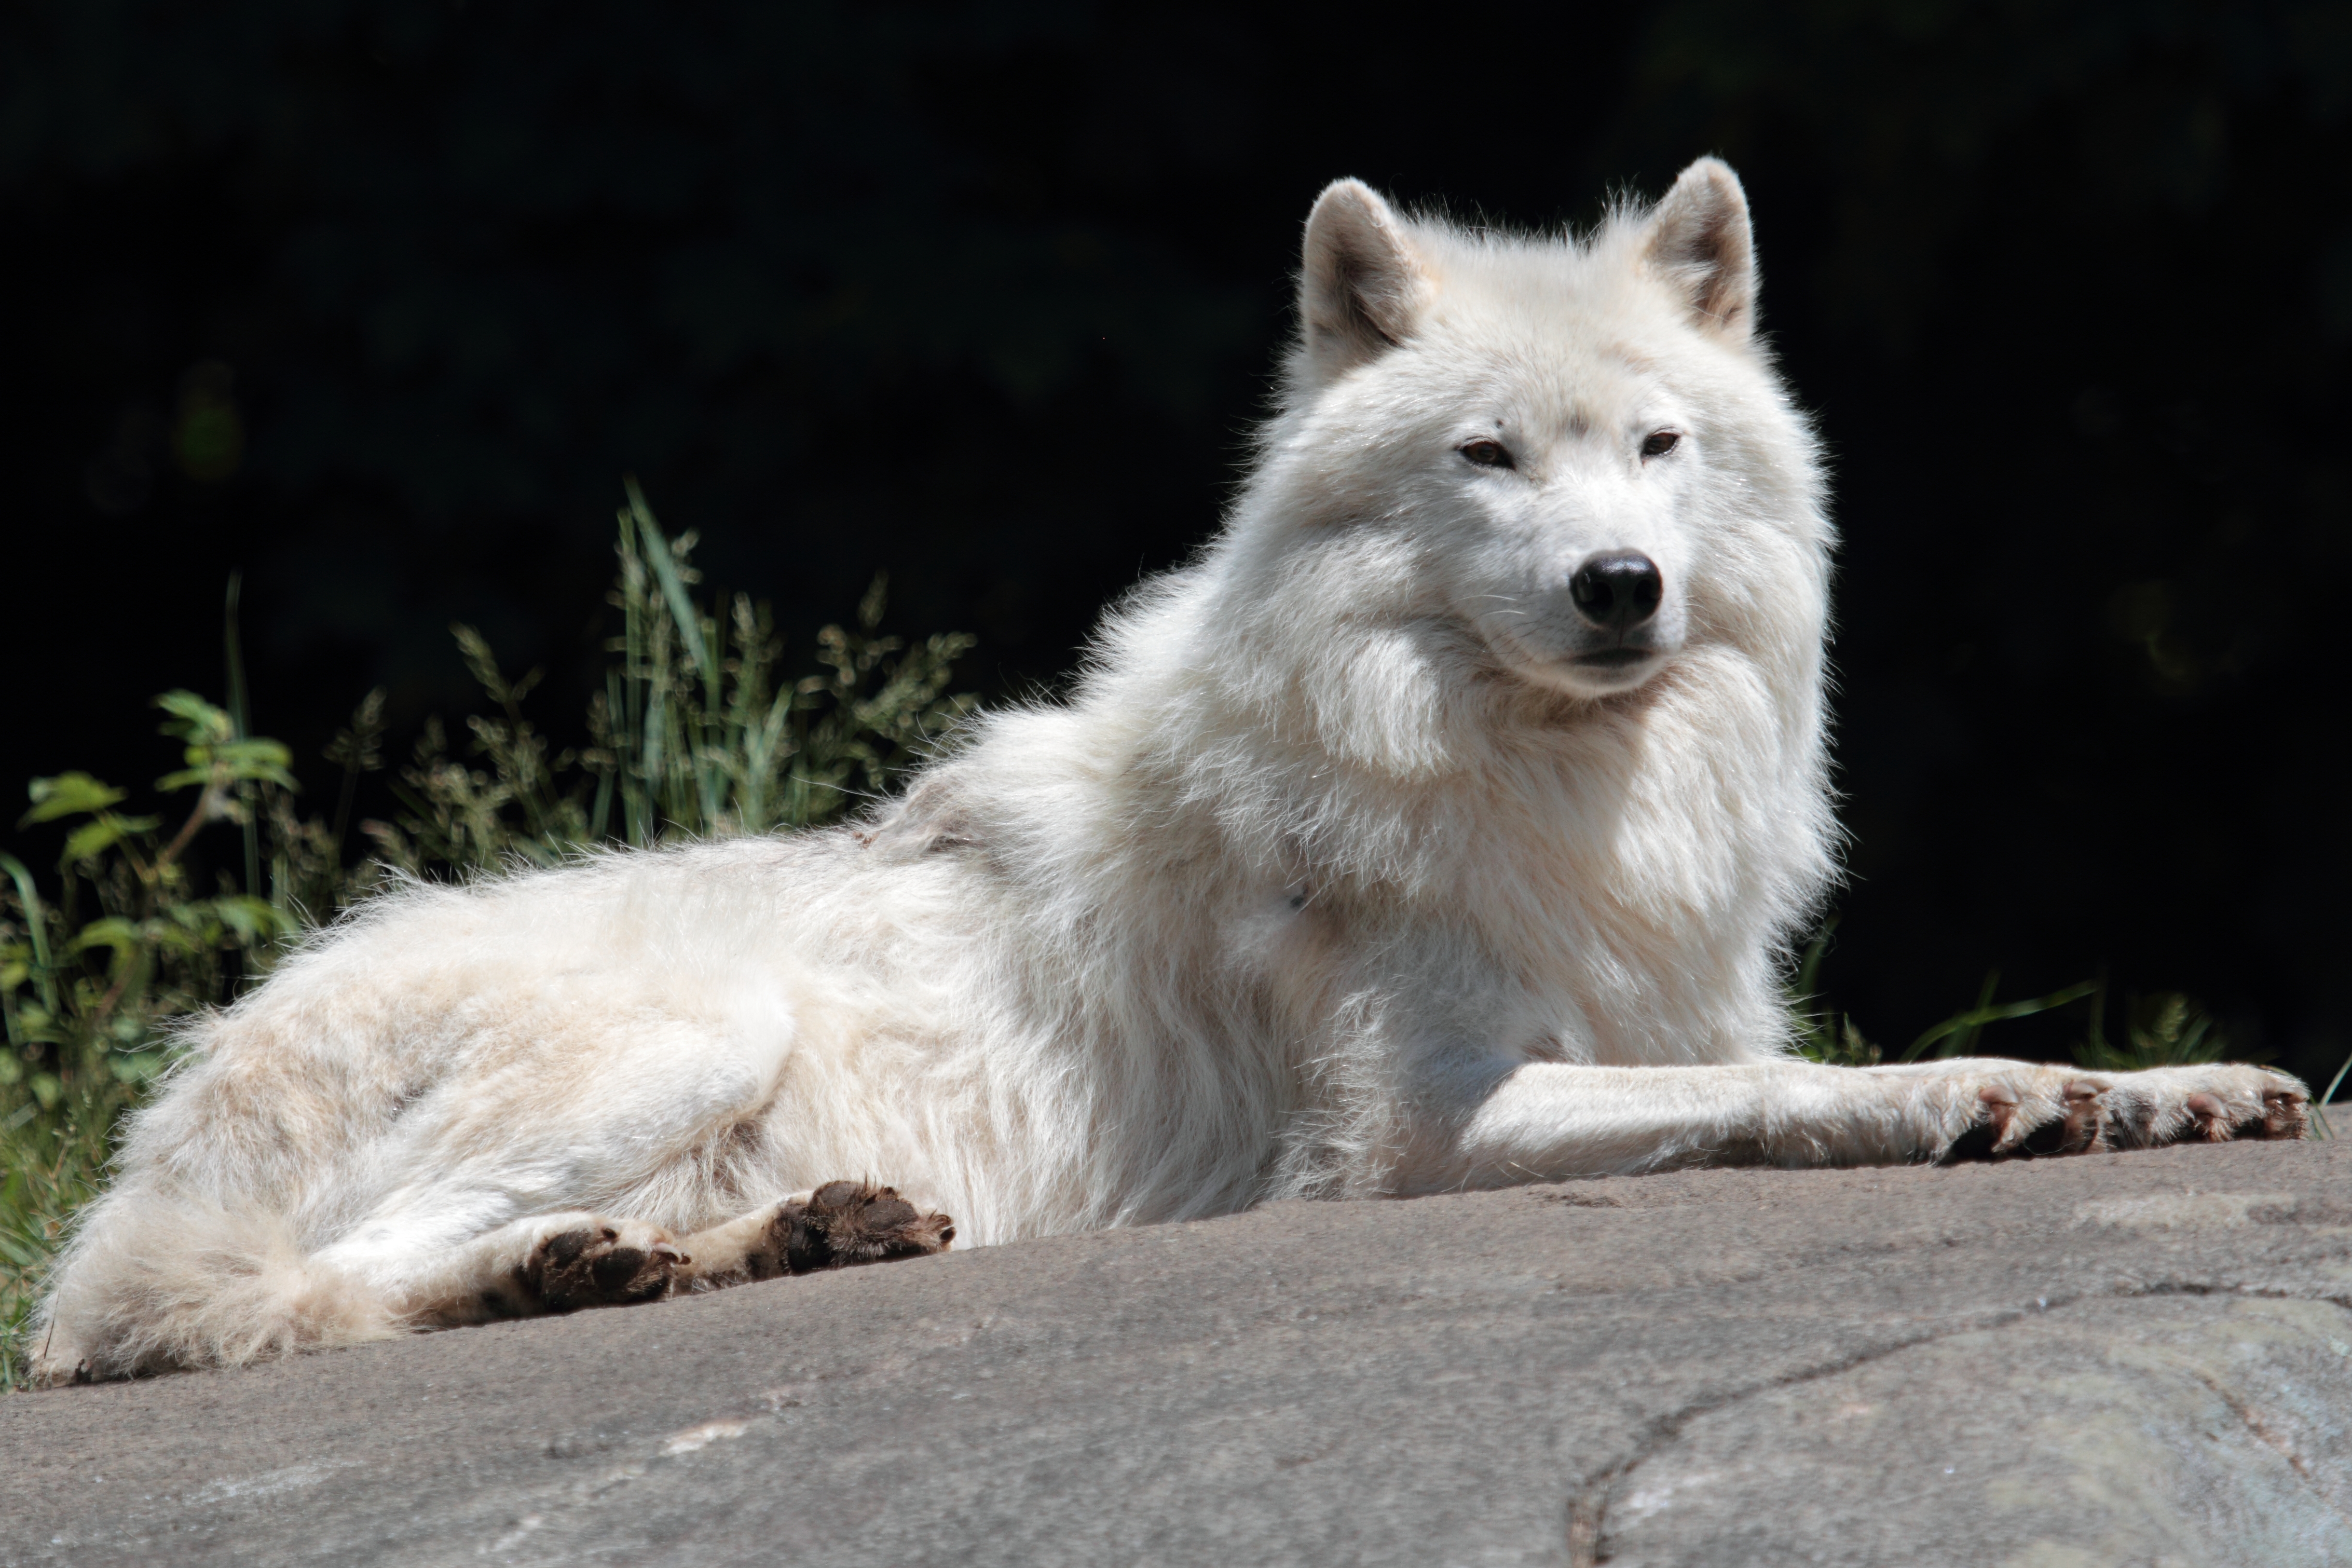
x=1589 y=1506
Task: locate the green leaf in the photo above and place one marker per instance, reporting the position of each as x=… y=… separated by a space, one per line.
x=93 y=839
x=257 y=760
x=67 y=795
x=188 y=931
x=250 y=760
x=112 y=931
x=199 y=722
x=37 y=924
x=254 y=919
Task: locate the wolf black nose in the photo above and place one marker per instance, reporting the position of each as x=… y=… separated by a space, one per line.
x=1619 y=591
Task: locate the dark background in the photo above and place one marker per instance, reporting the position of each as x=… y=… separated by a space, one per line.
x=377 y=301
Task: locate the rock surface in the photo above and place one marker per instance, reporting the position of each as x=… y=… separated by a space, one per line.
x=2120 y=1358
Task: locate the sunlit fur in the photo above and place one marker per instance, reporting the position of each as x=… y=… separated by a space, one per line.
x=1334 y=875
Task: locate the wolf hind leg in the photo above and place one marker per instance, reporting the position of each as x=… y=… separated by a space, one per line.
x=565 y=1262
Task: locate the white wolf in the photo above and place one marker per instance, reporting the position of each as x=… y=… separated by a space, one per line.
x=1442 y=826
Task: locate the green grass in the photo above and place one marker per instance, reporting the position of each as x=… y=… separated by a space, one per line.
x=2166 y=1030
x=700 y=732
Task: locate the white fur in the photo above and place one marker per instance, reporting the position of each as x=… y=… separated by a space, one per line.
x=1337 y=875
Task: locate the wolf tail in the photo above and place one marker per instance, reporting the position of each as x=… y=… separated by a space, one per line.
x=154 y=1281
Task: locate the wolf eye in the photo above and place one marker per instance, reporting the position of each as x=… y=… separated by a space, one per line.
x=1487 y=455
x=1658 y=443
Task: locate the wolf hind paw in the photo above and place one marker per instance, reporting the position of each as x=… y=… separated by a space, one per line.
x=601 y=1263
x=844 y=1223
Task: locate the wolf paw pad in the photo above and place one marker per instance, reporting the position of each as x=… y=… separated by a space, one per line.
x=603 y=1263
x=848 y=1222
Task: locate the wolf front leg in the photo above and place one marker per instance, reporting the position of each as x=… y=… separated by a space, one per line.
x=1543 y=1122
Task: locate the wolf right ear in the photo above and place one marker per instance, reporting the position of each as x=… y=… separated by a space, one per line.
x=1699 y=240
x=1361 y=286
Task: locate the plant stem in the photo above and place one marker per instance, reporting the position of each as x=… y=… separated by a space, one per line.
x=242 y=728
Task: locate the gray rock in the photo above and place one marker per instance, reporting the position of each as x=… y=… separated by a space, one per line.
x=2121 y=1358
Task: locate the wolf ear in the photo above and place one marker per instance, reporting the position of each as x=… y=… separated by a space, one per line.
x=1698 y=241
x=1361 y=286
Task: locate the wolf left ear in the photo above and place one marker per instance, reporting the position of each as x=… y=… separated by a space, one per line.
x=1699 y=240
x=1361 y=285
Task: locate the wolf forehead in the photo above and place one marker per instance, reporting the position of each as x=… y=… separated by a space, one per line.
x=1651 y=297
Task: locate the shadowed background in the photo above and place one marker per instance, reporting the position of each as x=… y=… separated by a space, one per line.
x=376 y=302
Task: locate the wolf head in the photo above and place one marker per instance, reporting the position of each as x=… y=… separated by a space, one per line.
x=1562 y=468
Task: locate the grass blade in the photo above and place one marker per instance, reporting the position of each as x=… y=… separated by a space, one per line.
x=1969 y=1024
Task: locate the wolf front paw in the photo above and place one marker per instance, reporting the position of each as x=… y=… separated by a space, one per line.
x=603 y=1263
x=2032 y=1111
x=2209 y=1103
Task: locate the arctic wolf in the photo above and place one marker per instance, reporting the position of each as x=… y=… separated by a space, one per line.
x=1442 y=826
